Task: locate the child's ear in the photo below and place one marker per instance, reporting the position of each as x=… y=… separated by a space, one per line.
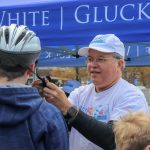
x=30 y=69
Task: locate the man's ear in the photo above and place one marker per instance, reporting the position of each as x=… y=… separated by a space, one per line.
x=121 y=64
x=30 y=69
x=147 y=147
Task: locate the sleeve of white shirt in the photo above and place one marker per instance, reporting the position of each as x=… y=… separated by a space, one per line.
x=129 y=102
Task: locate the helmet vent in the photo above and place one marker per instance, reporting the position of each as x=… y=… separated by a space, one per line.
x=7 y=35
x=20 y=37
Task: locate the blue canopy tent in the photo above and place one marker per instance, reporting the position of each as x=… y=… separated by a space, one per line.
x=76 y=22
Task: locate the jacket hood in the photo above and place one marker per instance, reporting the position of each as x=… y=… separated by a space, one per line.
x=17 y=104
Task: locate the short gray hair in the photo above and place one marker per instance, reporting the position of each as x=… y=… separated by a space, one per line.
x=117 y=56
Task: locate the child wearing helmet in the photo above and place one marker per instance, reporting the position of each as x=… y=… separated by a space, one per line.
x=27 y=121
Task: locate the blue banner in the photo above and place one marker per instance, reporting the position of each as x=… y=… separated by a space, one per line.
x=136 y=54
x=76 y=22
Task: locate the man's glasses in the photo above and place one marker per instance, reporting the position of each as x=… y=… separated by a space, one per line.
x=98 y=59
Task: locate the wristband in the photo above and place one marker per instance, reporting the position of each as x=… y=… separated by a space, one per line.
x=72 y=112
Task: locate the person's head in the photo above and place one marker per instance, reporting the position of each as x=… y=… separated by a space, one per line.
x=105 y=60
x=70 y=85
x=19 y=50
x=132 y=132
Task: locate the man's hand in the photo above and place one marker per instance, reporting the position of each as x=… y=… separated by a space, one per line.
x=38 y=84
x=56 y=96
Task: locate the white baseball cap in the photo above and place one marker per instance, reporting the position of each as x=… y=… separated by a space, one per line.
x=107 y=43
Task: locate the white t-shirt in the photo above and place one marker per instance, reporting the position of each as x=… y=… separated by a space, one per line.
x=104 y=106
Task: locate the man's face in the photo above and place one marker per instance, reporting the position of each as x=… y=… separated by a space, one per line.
x=103 y=69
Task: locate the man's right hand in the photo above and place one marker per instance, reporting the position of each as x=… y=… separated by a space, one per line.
x=56 y=96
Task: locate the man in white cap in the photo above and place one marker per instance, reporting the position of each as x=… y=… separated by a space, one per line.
x=106 y=99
